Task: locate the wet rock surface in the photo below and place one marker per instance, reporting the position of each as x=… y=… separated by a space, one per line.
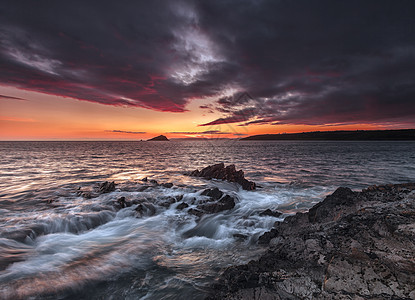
x=98 y=189
x=352 y=245
x=229 y=173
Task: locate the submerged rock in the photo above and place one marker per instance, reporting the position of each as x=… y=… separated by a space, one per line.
x=229 y=173
x=182 y=205
x=271 y=213
x=167 y=185
x=352 y=245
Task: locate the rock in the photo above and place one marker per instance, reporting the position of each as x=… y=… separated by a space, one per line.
x=214 y=193
x=145 y=209
x=122 y=203
x=105 y=187
x=142 y=188
x=167 y=202
x=229 y=173
x=159 y=138
x=227 y=202
x=92 y=192
x=195 y=212
x=167 y=185
x=145 y=179
x=240 y=236
x=352 y=245
x=154 y=182
x=271 y=213
x=182 y=206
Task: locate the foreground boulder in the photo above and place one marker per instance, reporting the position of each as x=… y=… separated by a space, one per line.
x=352 y=245
x=229 y=173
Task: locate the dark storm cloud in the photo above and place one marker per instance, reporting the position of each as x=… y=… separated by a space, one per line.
x=302 y=62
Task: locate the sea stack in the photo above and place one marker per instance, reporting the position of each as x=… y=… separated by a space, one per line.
x=159 y=138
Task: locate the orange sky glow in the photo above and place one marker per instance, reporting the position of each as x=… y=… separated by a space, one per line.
x=40 y=116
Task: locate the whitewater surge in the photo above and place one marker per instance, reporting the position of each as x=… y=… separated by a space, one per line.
x=71 y=242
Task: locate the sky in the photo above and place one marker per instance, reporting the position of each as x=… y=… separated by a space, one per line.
x=82 y=70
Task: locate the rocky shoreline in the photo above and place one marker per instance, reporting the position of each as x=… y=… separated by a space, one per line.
x=352 y=245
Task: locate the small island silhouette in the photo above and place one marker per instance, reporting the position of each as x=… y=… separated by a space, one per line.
x=159 y=138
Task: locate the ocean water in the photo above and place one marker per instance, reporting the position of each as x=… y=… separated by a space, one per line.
x=55 y=244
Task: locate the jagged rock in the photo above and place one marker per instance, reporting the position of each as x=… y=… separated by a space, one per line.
x=100 y=188
x=229 y=173
x=145 y=179
x=182 y=206
x=225 y=203
x=105 y=187
x=152 y=181
x=271 y=213
x=352 y=245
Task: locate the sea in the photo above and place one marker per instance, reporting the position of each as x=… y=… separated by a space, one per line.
x=56 y=243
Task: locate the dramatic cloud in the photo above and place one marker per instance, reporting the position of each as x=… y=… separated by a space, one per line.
x=302 y=62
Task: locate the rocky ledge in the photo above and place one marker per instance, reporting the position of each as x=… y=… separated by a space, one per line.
x=352 y=245
x=229 y=173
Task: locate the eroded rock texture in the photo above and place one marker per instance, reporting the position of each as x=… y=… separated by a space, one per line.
x=352 y=245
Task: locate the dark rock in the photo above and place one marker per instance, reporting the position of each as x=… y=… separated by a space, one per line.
x=105 y=187
x=145 y=209
x=226 y=203
x=152 y=181
x=179 y=198
x=214 y=193
x=271 y=213
x=240 y=236
x=328 y=209
x=121 y=201
x=167 y=185
x=352 y=245
x=142 y=188
x=229 y=173
x=195 y=212
x=182 y=205
x=167 y=201
x=159 y=138
x=86 y=194
x=145 y=179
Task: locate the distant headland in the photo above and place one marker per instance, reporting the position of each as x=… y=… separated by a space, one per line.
x=343 y=135
x=159 y=138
